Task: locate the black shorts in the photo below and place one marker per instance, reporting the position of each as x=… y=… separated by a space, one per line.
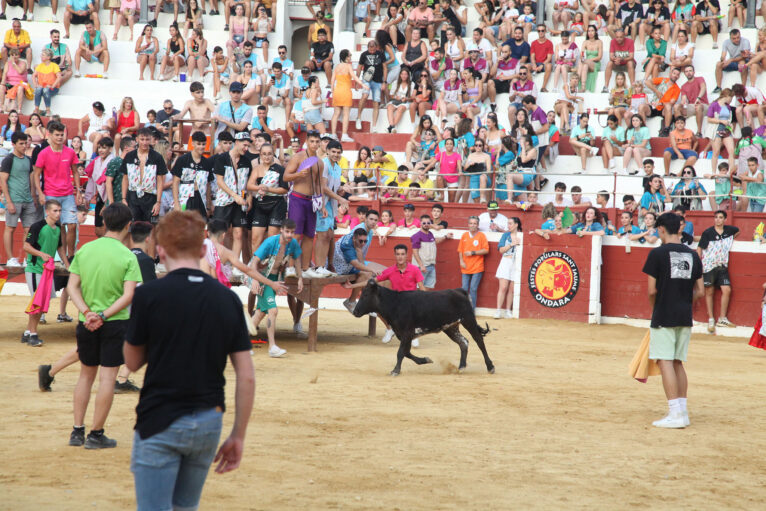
x=104 y=346
x=231 y=214
x=98 y=220
x=706 y=28
x=271 y=214
x=502 y=86
x=80 y=20
x=718 y=276
x=655 y=113
x=141 y=207
x=15 y=3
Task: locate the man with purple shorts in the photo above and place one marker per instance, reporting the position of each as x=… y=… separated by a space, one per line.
x=307 y=187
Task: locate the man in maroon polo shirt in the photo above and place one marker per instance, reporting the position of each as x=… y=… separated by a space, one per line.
x=404 y=276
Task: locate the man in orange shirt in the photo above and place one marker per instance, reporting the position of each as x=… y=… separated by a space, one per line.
x=682 y=145
x=666 y=91
x=472 y=248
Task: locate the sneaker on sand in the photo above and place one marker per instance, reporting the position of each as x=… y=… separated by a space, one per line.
x=34 y=341
x=498 y=314
x=290 y=272
x=349 y=305
x=711 y=325
x=13 y=263
x=324 y=272
x=64 y=318
x=276 y=352
x=415 y=343
x=508 y=314
x=298 y=329
x=388 y=336
x=25 y=338
x=686 y=418
x=125 y=387
x=724 y=321
x=77 y=437
x=43 y=321
x=94 y=441
x=44 y=378
x=670 y=422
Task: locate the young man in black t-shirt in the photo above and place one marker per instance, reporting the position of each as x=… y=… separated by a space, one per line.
x=714 y=247
x=145 y=169
x=371 y=72
x=184 y=327
x=436 y=214
x=192 y=177
x=706 y=20
x=139 y=233
x=321 y=55
x=232 y=170
x=675 y=282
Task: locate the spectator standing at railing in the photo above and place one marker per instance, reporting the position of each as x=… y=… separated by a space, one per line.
x=506 y=273
x=756 y=191
x=713 y=248
x=472 y=249
x=492 y=220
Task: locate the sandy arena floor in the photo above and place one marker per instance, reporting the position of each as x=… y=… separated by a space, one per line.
x=560 y=425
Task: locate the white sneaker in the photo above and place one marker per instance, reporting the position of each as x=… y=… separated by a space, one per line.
x=13 y=262
x=31 y=16
x=686 y=418
x=175 y=78
x=671 y=422
x=290 y=272
x=711 y=325
x=310 y=274
x=77 y=73
x=359 y=124
x=324 y=272
x=349 y=305
x=104 y=75
x=508 y=314
x=387 y=336
x=161 y=78
x=498 y=314
x=415 y=343
x=54 y=19
x=593 y=151
x=724 y=321
x=298 y=329
x=611 y=163
x=276 y=352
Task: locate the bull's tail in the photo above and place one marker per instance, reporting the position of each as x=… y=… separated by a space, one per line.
x=484 y=331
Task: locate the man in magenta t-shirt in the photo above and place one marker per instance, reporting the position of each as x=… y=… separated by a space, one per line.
x=404 y=276
x=58 y=165
x=621 y=58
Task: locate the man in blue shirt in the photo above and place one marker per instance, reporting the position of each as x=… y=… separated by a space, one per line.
x=234 y=115
x=271 y=259
x=277 y=89
x=287 y=65
x=519 y=47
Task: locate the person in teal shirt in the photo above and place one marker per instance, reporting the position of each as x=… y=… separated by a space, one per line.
x=612 y=141
x=637 y=146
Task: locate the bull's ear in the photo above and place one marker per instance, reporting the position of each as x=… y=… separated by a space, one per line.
x=372 y=282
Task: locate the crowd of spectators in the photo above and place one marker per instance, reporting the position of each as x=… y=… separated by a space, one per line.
x=424 y=65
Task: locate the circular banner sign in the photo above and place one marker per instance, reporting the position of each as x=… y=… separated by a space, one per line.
x=554 y=279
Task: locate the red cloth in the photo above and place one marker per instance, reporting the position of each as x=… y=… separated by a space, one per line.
x=757 y=340
x=42 y=298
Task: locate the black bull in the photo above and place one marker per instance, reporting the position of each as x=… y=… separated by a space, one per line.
x=414 y=313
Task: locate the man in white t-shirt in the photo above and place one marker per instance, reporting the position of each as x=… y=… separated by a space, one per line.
x=491 y=220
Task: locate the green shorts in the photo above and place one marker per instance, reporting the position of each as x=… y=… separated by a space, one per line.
x=267 y=300
x=670 y=343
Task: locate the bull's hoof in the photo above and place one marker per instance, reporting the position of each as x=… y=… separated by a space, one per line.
x=460 y=369
x=394 y=373
x=427 y=360
x=491 y=370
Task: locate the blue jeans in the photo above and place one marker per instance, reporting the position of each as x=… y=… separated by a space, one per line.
x=471 y=284
x=755 y=207
x=170 y=468
x=45 y=94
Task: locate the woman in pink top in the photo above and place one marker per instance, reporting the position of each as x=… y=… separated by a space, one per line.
x=449 y=169
x=14 y=73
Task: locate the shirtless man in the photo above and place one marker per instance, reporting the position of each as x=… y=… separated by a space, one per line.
x=200 y=109
x=306 y=183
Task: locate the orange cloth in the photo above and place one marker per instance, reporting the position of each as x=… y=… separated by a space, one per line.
x=641 y=368
x=671 y=94
x=475 y=263
x=341 y=95
x=46 y=74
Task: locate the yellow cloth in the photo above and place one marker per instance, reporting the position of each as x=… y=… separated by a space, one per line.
x=641 y=368
x=387 y=168
x=11 y=39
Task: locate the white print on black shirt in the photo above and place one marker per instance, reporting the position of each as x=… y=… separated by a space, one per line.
x=680 y=265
